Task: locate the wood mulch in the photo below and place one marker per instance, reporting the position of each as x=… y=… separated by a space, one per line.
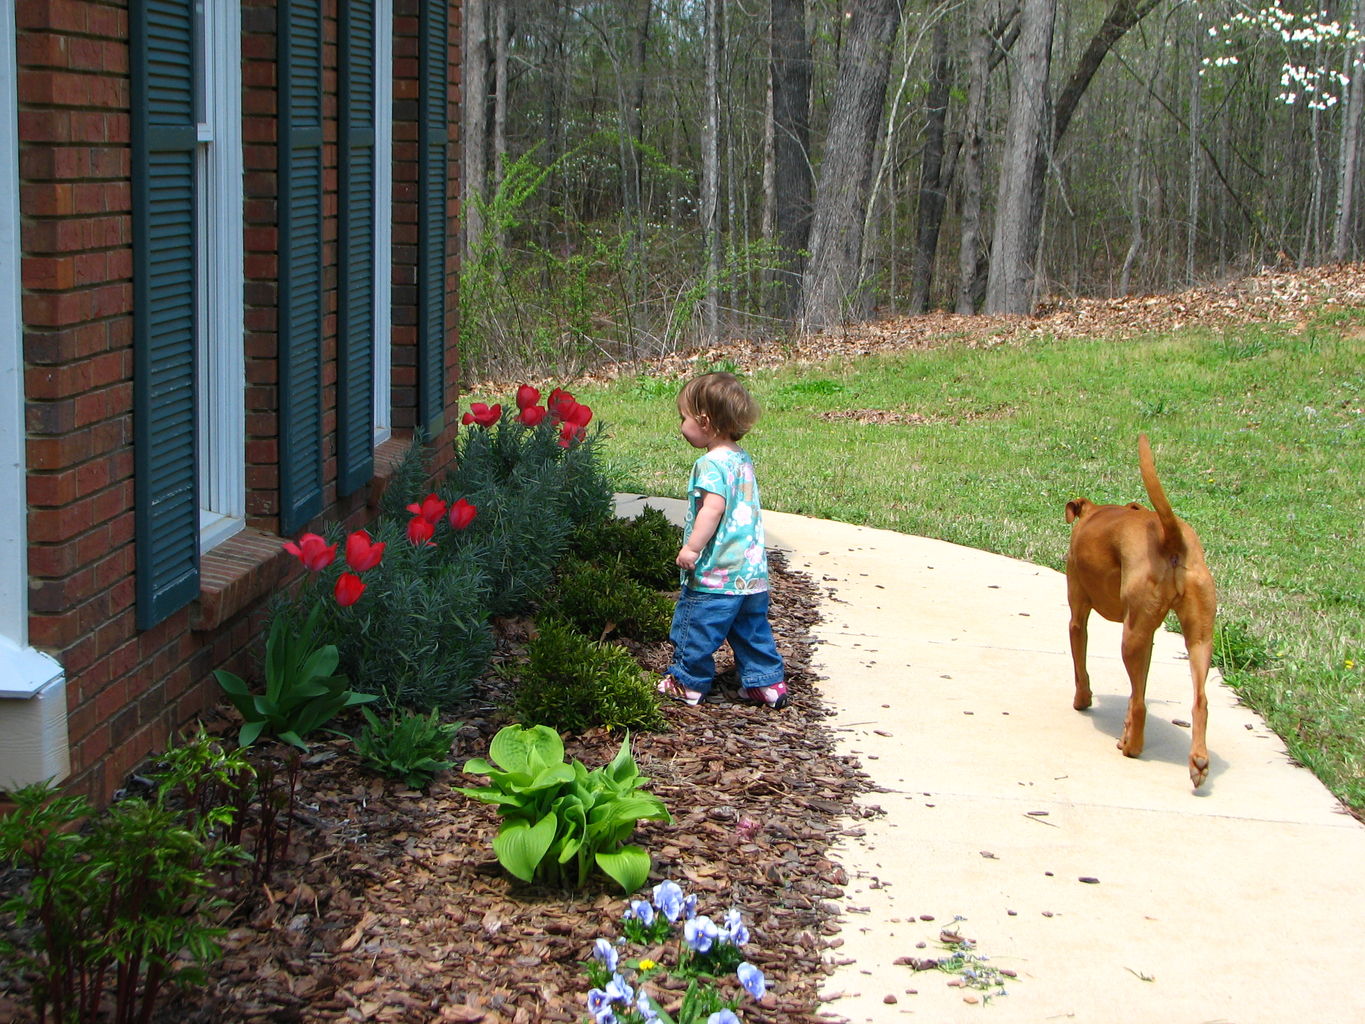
x=392 y=907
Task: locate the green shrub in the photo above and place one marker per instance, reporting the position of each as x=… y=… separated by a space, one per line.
x=559 y=820
x=410 y=747
x=573 y=684
x=123 y=902
x=598 y=600
x=645 y=547
x=531 y=493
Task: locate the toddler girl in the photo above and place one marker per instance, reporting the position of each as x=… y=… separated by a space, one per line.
x=723 y=561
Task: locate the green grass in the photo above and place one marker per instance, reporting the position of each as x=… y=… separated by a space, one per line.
x=1259 y=438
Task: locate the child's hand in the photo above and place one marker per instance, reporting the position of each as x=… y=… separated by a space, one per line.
x=687 y=559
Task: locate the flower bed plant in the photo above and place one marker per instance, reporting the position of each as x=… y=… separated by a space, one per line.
x=559 y=820
x=626 y=987
x=573 y=684
x=120 y=903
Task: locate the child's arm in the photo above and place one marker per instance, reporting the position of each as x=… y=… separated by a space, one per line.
x=703 y=529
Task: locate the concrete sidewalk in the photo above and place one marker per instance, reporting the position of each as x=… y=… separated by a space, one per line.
x=950 y=675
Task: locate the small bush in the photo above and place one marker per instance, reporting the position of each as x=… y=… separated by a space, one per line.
x=572 y=684
x=410 y=747
x=645 y=546
x=120 y=908
x=599 y=600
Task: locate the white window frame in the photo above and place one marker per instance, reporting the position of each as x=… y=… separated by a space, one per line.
x=220 y=266
x=383 y=221
x=13 y=463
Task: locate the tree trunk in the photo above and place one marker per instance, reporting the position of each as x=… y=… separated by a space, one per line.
x=710 y=173
x=1009 y=286
x=834 y=274
x=791 y=177
x=632 y=120
x=980 y=52
x=1350 y=144
x=932 y=188
x=501 y=31
x=474 y=129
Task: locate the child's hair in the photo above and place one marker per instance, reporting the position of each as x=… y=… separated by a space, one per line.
x=721 y=402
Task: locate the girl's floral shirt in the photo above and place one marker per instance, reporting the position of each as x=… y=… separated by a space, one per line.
x=735 y=561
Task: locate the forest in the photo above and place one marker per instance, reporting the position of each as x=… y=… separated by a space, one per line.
x=643 y=175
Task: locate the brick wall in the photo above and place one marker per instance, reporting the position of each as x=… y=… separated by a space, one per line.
x=129 y=690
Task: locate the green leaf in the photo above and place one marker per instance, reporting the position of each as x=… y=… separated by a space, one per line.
x=520 y=848
x=628 y=866
x=519 y=748
x=250 y=733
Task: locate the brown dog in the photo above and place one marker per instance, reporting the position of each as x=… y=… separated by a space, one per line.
x=1133 y=566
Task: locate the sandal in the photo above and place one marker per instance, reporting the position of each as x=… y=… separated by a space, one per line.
x=764 y=696
x=670 y=687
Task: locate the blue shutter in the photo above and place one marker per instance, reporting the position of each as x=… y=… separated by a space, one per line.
x=300 y=313
x=166 y=502
x=431 y=215
x=356 y=283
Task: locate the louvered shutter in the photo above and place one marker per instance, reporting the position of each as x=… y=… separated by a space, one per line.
x=166 y=502
x=300 y=213
x=431 y=215
x=355 y=378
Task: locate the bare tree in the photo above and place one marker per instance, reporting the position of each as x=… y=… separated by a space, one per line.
x=834 y=273
x=1350 y=143
x=474 y=124
x=935 y=174
x=710 y=171
x=792 y=180
x=1009 y=286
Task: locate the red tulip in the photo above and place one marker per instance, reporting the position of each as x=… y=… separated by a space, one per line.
x=349 y=588
x=482 y=414
x=559 y=400
x=420 y=530
x=569 y=433
x=361 y=552
x=312 y=551
x=527 y=396
x=532 y=414
x=431 y=509
x=462 y=513
x=578 y=414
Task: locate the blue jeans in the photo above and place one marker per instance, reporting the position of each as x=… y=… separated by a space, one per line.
x=704 y=620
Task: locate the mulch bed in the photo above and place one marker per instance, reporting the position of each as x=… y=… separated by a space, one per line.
x=392 y=907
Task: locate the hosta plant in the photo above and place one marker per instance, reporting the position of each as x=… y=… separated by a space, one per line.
x=560 y=820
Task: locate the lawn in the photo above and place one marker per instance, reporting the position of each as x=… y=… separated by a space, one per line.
x=1259 y=435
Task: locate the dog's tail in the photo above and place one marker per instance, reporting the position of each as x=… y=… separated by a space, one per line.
x=1172 y=539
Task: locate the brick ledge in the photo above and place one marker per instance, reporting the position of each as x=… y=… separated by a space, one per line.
x=238 y=572
x=250 y=564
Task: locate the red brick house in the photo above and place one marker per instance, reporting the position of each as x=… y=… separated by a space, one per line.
x=227 y=298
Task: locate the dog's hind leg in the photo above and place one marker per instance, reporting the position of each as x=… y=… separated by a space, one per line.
x=1137 y=659
x=1195 y=613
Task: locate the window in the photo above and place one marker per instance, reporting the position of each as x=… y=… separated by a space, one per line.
x=219 y=271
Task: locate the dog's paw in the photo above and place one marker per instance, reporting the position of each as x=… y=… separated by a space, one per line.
x=1199 y=770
